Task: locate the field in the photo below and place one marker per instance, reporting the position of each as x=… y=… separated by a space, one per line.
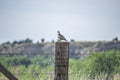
x=96 y=66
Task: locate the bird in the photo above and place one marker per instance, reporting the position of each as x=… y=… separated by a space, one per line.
x=61 y=37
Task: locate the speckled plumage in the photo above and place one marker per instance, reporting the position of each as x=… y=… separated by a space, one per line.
x=60 y=36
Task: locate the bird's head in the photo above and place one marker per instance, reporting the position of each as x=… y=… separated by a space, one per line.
x=58 y=32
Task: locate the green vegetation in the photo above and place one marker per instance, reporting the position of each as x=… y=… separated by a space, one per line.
x=98 y=66
x=28 y=68
x=107 y=63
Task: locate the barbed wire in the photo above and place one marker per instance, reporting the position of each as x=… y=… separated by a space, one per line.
x=48 y=75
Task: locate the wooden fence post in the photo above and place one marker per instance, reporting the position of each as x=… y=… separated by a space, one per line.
x=7 y=73
x=61 y=60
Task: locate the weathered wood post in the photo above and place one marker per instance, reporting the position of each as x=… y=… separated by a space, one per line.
x=61 y=60
x=7 y=73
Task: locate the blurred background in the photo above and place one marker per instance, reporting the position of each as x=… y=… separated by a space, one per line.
x=28 y=32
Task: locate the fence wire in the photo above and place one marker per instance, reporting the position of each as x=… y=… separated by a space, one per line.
x=38 y=67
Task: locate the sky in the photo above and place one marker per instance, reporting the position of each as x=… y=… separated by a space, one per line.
x=81 y=20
